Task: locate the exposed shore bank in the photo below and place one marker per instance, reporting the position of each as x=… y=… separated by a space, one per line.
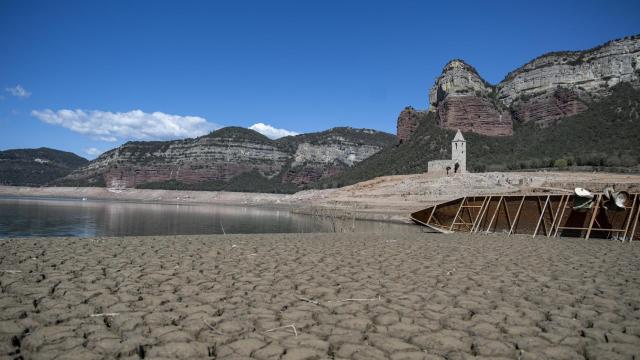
x=388 y=198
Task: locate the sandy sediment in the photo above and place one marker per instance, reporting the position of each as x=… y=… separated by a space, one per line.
x=349 y=296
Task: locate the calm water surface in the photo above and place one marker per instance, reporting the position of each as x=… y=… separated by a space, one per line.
x=63 y=217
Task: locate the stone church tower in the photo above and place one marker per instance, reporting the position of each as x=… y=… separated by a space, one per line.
x=459 y=153
x=458 y=162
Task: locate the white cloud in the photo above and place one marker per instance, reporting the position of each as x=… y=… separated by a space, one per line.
x=18 y=91
x=136 y=124
x=93 y=152
x=271 y=132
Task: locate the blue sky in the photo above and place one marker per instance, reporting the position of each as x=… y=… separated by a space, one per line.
x=86 y=76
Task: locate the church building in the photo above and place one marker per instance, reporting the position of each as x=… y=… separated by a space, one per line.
x=458 y=162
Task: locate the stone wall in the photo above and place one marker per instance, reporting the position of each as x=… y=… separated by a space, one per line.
x=440 y=166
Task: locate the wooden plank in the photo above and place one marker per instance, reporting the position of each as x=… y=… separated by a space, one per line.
x=635 y=222
x=434 y=227
x=596 y=229
x=540 y=219
x=470 y=219
x=553 y=220
x=495 y=213
x=515 y=220
x=432 y=211
x=626 y=228
x=506 y=211
x=475 y=222
x=453 y=222
x=547 y=204
x=596 y=207
x=564 y=208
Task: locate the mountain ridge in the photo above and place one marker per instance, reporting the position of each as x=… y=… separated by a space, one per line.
x=551 y=86
x=36 y=167
x=603 y=137
x=212 y=161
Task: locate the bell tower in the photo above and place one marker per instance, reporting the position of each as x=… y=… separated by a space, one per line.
x=459 y=153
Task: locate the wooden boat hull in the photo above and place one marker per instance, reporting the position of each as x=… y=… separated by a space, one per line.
x=547 y=215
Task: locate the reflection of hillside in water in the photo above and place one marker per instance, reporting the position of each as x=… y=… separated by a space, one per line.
x=57 y=217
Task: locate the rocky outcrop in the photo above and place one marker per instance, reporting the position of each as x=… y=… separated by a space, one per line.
x=474 y=113
x=458 y=79
x=328 y=153
x=548 y=107
x=407 y=123
x=560 y=84
x=229 y=152
x=548 y=88
x=465 y=101
x=589 y=73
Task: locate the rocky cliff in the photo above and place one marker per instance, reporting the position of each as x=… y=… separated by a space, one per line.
x=561 y=84
x=548 y=88
x=226 y=154
x=465 y=101
x=604 y=137
x=408 y=122
x=327 y=153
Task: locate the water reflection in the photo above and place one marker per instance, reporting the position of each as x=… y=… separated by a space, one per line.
x=62 y=217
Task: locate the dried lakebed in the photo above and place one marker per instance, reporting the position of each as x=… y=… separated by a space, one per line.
x=319 y=296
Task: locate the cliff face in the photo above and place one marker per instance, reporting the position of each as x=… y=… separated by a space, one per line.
x=548 y=88
x=227 y=153
x=560 y=84
x=408 y=122
x=590 y=73
x=465 y=101
x=328 y=153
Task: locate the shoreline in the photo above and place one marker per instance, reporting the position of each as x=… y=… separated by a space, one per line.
x=347 y=295
x=200 y=198
x=387 y=198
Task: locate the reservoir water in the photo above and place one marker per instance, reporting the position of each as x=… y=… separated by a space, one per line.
x=26 y=217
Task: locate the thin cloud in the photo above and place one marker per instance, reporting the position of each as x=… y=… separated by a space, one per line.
x=270 y=131
x=93 y=152
x=18 y=91
x=136 y=124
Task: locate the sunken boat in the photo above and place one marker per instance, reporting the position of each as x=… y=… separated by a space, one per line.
x=609 y=215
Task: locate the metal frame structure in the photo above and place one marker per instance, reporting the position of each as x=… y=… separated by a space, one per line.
x=549 y=215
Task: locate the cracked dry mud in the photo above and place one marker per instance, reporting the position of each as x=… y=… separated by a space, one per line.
x=422 y=296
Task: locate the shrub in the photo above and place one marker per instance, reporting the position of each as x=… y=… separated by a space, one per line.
x=560 y=163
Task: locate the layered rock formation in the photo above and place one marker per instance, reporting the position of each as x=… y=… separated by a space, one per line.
x=560 y=84
x=548 y=88
x=545 y=108
x=474 y=113
x=465 y=101
x=227 y=153
x=589 y=73
x=408 y=122
x=328 y=153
